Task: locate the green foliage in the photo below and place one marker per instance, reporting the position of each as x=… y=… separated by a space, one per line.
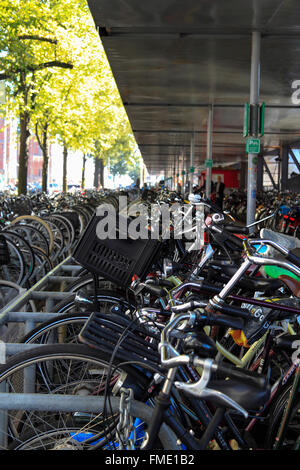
x=56 y=70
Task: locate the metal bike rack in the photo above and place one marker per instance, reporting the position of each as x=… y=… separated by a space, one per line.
x=64 y=272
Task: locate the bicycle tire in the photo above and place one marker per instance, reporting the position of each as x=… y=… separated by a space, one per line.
x=34 y=218
x=80 y=354
x=276 y=414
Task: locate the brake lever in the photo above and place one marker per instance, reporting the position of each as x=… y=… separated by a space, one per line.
x=200 y=390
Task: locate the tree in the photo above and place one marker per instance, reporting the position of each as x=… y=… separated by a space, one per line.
x=29 y=45
x=60 y=84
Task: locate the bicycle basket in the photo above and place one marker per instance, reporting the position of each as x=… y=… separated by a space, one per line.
x=117 y=260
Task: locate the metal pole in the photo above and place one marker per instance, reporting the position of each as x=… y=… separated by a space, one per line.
x=3 y=419
x=209 y=150
x=192 y=158
x=22 y=298
x=183 y=175
x=254 y=100
x=174 y=174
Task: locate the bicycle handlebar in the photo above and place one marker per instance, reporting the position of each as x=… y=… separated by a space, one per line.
x=236 y=229
x=177 y=360
x=225 y=370
x=289 y=255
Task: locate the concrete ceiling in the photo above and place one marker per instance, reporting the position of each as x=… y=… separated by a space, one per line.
x=172 y=58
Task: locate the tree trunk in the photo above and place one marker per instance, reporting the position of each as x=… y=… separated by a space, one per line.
x=23 y=153
x=101 y=173
x=45 y=150
x=83 y=172
x=65 y=154
x=96 y=173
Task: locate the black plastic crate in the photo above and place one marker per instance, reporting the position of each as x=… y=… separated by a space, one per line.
x=116 y=260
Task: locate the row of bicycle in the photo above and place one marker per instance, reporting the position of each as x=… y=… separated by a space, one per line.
x=278 y=211
x=137 y=350
x=38 y=232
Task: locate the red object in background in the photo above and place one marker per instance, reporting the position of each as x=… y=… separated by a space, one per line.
x=230 y=177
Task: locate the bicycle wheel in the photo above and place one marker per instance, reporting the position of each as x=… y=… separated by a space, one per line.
x=63 y=329
x=15 y=270
x=276 y=414
x=71 y=370
x=40 y=223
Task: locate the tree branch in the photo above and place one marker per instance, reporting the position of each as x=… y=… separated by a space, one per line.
x=37 y=38
x=53 y=63
x=4 y=76
x=37 y=135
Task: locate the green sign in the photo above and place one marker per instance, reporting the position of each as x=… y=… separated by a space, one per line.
x=246 y=120
x=183 y=173
x=192 y=169
x=252 y=145
x=208 y=163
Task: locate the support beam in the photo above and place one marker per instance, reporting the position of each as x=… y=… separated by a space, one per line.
x=270 y=175
x=254 y=100
x=291 y=153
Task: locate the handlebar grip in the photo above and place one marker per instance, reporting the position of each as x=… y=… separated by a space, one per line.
x=211 y=319
x=236 y=229
x=245 y=376
x=235 y=311
x=293 y=258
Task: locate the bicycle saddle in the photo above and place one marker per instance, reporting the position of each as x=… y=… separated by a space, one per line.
x=292 y=284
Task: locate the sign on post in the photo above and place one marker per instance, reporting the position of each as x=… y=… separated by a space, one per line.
x=252 y=145
x=208 y=163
